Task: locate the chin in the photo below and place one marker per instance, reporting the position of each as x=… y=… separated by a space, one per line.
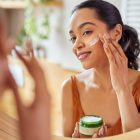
x=87 y=66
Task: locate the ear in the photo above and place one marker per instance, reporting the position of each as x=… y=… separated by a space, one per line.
x=116 y=32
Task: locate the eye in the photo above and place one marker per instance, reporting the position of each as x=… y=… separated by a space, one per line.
x=87 y=33
x=72 y=39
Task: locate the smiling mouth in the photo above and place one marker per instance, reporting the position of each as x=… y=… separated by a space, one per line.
x=84 y=55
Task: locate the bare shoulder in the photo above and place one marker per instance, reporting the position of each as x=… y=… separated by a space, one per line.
x=66 y=92
x=66 y=83
x=66 y=87
x=80 y=78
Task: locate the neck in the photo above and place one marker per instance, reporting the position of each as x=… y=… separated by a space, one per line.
x=101 y=76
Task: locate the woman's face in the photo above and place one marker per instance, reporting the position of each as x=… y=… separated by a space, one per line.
x=85 y=28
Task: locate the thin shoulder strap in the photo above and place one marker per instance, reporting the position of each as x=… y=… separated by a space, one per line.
x=136 y=93
x=77 y=108
x=136 y=85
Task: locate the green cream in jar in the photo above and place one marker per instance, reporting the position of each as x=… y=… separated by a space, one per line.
x=90 y=124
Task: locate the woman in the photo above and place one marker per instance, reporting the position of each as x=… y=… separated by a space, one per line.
x=109 y=87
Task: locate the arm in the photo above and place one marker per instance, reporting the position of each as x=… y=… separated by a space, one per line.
x=128 y=111
x=34 y=120
x=67 y=109
x=37 y=124
x=119 y=78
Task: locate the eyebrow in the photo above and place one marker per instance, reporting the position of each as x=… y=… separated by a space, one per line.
x=82 y=25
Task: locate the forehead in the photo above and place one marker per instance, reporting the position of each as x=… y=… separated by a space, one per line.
x=83 y=15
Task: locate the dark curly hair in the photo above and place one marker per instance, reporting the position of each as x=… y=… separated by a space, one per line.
x=110 y=15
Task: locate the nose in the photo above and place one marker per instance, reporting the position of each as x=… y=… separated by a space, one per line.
x=78 y=44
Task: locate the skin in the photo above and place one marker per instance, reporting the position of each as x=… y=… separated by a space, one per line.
x=106 y=84
x=34 y=120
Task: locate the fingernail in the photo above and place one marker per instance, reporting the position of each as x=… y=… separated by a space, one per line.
x=100 y=36
x=107 y=36
x=77 y=126
x=105 y=128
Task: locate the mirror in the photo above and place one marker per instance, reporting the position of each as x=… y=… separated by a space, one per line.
x=61 y=64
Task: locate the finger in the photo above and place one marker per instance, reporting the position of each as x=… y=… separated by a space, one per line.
x=108 y=52
x=76 y=133
x=101 y=131
x=113 y=54
x=108 y=43
x=41 y=90
x=2 y=38
x=31 y=64
x=95 y=135
x=21 y=57
x=119 y=49
x=105 y=128
x=114 y=46
x=101 y=38
x=10 y=44
x=3 y=76
x=29 y=47
x=119 y=54
x=33 y=67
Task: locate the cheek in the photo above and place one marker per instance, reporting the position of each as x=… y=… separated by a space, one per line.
x=98 y=51
x=96 y=45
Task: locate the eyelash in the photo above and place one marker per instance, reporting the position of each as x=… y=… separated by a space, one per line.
x=72 y=39
x=87 y=32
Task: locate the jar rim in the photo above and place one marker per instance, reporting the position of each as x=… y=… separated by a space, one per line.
x=98 y=122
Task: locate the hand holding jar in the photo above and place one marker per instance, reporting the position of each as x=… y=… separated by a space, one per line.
x=90 y=126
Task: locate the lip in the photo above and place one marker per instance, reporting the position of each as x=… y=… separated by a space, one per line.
x=83 y=55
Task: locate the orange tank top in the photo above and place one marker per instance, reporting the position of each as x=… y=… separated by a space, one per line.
x=78 y=111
